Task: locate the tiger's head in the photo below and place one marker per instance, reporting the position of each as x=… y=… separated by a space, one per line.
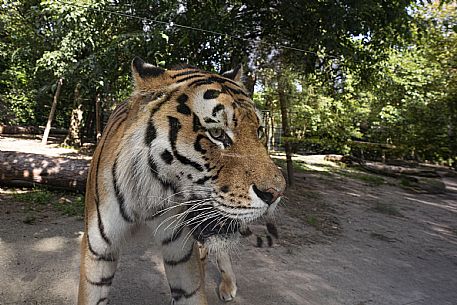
x=204 y=137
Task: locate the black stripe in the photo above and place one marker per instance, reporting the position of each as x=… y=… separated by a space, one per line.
x=173 y=237
x=119 y=196
x=210 y=120
x=200 y=82
x=235 y=120
x=113 y=123
x=197 y=125
x=169 y=185
x=101 y=301
x=190 y=77
x=105 y=281
x=182 y=107
x=197 y=145
x=211 y=94
x=99 y=257
x=188 y=72
x=178 y=293
x=218 y=108
x=101 y=227
x=183 y=260
x=166 y=156
x=175 y=126
x=217 y=174
x=217 y=79
x=203 y=180
x=151 y=133
x=165 y=184
x=236 y=91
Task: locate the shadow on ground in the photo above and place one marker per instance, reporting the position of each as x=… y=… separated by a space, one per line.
x=342 y=241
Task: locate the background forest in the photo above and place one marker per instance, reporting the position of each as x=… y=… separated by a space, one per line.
x=377 y=79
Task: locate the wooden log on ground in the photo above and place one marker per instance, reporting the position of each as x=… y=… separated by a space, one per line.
x=420 y=172
x=390 y=170
x=28 y=170
x=9 y=129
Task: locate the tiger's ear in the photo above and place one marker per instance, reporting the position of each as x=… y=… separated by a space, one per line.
x=145 y=73
x=235 y=74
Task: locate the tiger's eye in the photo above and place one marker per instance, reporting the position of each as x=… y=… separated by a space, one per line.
x=216 y=133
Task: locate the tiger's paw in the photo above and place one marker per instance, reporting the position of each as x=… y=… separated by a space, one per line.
x=227 y=291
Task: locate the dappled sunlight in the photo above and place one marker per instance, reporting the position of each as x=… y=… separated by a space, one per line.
x=451 y=185
x=353 y=194
x=28 y=169
x=51 y=244
x=66 y=288
x=448 y=207
x=7 y=253
x=33 y=146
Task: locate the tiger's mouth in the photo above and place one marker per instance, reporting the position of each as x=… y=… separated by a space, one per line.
x=205 y=225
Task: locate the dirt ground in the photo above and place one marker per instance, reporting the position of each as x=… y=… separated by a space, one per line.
x=345 y=238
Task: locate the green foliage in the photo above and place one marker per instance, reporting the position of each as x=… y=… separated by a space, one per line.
x=74 y=207
x=403 y=106
x=381 y=72
x=37 y=196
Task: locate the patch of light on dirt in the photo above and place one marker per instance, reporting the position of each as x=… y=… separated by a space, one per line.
x=312 y=162
x=353 y=194
x=441 y=206
x=7 y=253
x=50 y=244
x=11 y=191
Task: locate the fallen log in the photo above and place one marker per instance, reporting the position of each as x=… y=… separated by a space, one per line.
x=391 y=170
x=420 y=172
x=19 y=169
x=10 y=130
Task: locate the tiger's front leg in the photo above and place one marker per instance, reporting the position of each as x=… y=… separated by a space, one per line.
x=183 y=268
x=227 y=286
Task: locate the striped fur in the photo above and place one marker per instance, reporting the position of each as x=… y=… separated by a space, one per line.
x=181 y=156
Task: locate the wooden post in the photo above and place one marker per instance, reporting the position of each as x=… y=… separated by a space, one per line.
x=52 y=112
x=98 y=125
x=74 y=131
x=286 y=129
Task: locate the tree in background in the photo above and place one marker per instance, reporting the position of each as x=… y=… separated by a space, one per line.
x=342 y=70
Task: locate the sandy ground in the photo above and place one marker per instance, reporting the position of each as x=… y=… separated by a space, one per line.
x=342 y=241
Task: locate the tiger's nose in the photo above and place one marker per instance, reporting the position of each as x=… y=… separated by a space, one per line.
x=269 y=196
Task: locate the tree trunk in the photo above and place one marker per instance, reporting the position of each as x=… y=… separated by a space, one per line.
x=74 y=132
x=28 y=170
x=53 y=111
x=286 y=129
x=98 y=125
x=273 y=128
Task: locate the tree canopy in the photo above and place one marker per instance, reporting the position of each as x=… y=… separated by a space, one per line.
x=350 y=71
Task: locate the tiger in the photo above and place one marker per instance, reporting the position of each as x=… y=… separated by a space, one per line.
x=182 y=156
x=227 y=288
